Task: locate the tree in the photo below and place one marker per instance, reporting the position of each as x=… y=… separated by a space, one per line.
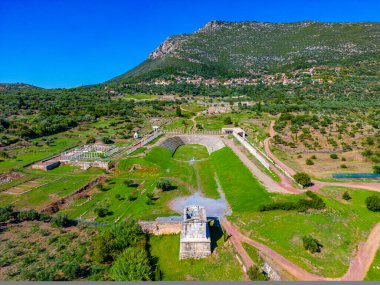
x=302 y=178
x=132 y=265
x=373 y=203
x=311 y=244
x=346 y=196
x=256 y=274
x=227 y=121
x=106 y=140
x=333 y=156
x=178 y=111
x=309 y=162
x=164 y=184
x=376 y=169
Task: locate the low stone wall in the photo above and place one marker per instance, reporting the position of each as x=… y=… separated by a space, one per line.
x=161 y=227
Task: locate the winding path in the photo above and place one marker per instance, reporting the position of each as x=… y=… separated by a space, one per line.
x=359 y=264
x=357 y=270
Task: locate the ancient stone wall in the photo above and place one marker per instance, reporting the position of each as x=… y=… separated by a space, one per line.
x=161 y=227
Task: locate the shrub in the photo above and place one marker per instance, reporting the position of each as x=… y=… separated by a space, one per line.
x=376 y=169
x=30 y=215
x=101 y=211
x=128 y=182
x=90 y=140
x=131 y=265
x=60 y=221
x=302 y=178
x=346 y=196
x=110 y=242
x=311 y=244
x=132 y=197
x=256 y=274
x=106 y=140
x=343 y=159
x=164 y=184
x=373 y=203
x=227 y=121
x=313 y=157
x=333 y=156
x=150 y=196
x=301 y=205
x=343 y=166
x=71 y=270
x=6 y=213
x=309 y=162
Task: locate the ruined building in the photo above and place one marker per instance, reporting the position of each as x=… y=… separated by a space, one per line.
x=195 y=235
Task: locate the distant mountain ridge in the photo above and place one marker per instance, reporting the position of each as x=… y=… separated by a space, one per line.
x=232 y=49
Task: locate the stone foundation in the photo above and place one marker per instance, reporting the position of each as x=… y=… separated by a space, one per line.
x=160 y=227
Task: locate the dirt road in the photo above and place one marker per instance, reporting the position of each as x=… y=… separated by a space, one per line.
x=269 y=183
x=272 y=133
x=359 y=265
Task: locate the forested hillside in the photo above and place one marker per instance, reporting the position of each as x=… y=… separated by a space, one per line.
x=234 y=49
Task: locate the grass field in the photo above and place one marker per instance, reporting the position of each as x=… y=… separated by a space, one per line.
x=243 y=191
x=145 y=172
x=191 y=152
x=222 y=265
x=339 y=228
x=373 y=273
x=55 y=184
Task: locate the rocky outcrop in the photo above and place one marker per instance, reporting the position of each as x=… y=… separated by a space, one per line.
x=169 y=46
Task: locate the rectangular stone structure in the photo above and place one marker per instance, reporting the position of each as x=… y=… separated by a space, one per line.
x=195 y=239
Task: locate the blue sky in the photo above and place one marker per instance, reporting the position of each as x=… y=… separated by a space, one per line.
x=67 y=43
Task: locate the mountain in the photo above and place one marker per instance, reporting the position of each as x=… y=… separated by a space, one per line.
x=233 y=49
x=16 y=86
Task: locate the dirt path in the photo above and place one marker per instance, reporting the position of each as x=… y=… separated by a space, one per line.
x=359 y=265
x=269 y=183
x=272 y=133
x=193 y=119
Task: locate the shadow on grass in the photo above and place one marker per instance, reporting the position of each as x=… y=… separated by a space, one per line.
x=216 y=232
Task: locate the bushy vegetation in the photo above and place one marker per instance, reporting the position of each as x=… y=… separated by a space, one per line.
x=256 y=274
x=373 y=203
x=313 y=201
x=311 y=244
x=302 y=178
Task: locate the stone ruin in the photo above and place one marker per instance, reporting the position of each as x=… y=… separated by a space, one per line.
x=195 y=239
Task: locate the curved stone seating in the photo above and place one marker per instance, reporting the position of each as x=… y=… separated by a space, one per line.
x=172 y=144
x=212 y=143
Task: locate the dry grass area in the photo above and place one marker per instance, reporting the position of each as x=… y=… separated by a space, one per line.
x=324 y=166
x=335 y=136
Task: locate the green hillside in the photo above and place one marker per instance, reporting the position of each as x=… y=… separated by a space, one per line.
x=232 y=49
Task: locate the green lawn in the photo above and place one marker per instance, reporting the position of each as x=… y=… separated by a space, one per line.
x=339 y=228
x=26 y=155
x=191 y=152
x=243 y=191
x=54 y=184
x=222 y=265
x=373 y=273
